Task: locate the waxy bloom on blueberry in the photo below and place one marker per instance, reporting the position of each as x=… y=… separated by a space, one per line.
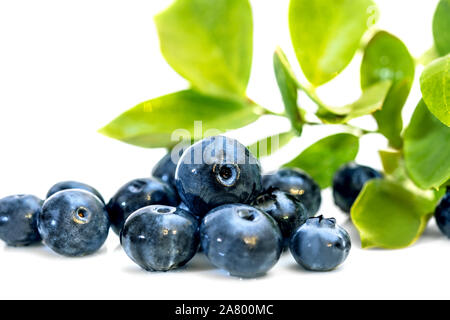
x=348 y=182
x=320 y=245
x=137 y=194
x=241 y=239
x=216 y=171
x=18 y=220
x=297 y=183
x=66 y=185
x=73 y=223
x=160 y=238
x=442 y=214
x=287 y=211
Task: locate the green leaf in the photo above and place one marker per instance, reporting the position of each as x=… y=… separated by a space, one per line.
x=389 y=216
x=387 y=58
x=322 y=159
x=210 y=43
x=391 y=160
x=326 y=34
x=269 y=145
x=371 y=100
x=427 y=149
x=441 y=27
x=435 y=86
x=151 y=124
x=288 y=85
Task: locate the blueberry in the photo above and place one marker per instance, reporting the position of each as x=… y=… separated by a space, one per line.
x=348 y=182
x=73 y=223
x=216 y=171
x=442 y=214
x=320 y=244
x=166 y=167
x=297 y=183
x=137 y=194
x=160 y=238
x=66 y=185
x=241 y=239
x=287 y=211
x=18 y=220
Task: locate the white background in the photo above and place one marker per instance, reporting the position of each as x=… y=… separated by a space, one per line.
x=69 y=67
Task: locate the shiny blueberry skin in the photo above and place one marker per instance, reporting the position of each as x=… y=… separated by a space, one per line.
x=18 y=220
x=216 y=171
x=65 y=185
x=287 y=211
x=320 y=245
x=348 y=182
x=160 y=238
x=166 y=167
x=241 y=239
x=442 y=214
x=297 y=183
x=73 y=223
x=137 y=194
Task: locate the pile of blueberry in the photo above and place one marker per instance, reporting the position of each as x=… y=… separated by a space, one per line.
x=214 y=199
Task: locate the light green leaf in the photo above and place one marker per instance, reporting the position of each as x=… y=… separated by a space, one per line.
x=326 y=34
x=371 y=100
x=427 y=149
x=389 y=216
x=209 y=43
x=441 y=27
x=152 y=123
x=269 y=145
x=387 y=58
x=322 y=159
x=391 y=160
x=435 y=86
x=288 y=85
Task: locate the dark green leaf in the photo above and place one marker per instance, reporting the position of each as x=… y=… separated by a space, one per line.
x=322 y=159
x=435 y=86
x=387 y=215
x=371 y=100
x=269 y=145
x=288 y=85
x=441 y=27
x=151 y=124
x=387 y=58
x=427 y=149
x=326 y=34
x=209 y=43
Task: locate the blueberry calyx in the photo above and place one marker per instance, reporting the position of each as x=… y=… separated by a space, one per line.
x=163 y=209
x=246 y=214
x=81 y=216
x=227 y=174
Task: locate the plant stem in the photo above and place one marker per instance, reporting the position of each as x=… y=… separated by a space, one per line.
x=311 y=93
x=360 y=131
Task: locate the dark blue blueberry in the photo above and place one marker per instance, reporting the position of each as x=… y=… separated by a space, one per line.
x=297 y=183
x=241 y=239
x=137 y=194
x=18 y=220
x=160 y=238
x=166 y=167
x=348 y=182
x=287 y=211
x=73 y=223
x=320 y=245
x=442 y=214
x=216 y=171
x=66 y=185
x=184 y=207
